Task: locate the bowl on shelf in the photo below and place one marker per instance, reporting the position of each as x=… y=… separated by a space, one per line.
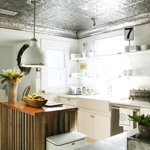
x=37 y=103
x=132 y=48
x=145 y=47
x=73 y=56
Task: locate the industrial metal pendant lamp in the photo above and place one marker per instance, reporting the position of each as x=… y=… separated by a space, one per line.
x=33 y=55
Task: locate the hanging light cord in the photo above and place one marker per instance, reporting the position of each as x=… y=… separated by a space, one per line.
x=34 y=3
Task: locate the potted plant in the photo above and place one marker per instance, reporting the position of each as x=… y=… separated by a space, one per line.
x=143 y=124
x=12 y=77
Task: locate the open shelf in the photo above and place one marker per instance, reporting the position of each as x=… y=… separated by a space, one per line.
x=137 y=52
x=121 y=53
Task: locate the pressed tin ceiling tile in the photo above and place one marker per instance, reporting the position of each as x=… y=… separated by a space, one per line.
x=137 y=8
x=130 y=2
x=73 y=15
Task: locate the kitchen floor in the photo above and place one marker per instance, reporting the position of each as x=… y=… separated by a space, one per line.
x=88 y=140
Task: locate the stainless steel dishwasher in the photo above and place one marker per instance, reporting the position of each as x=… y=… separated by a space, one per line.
x=115 y=128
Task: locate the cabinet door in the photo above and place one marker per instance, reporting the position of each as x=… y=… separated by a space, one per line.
x=101 y=127
x=85 y=123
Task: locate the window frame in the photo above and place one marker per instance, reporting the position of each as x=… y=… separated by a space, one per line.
x=58 y=46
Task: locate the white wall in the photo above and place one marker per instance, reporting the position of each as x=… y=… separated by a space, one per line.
x=139 y=64
x=10 y=43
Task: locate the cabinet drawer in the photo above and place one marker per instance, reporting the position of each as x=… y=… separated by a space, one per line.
x=68 y=101
x=98 y=105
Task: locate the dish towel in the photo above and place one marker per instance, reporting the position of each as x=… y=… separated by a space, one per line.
x=124 y=119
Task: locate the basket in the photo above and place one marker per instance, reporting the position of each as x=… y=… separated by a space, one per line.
x=37 y=103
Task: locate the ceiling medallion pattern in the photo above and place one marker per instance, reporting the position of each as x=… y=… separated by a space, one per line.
x=68 y=17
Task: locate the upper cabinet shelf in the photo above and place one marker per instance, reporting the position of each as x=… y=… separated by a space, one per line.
x=137 y=52
x=121 y=53
x=81 y=58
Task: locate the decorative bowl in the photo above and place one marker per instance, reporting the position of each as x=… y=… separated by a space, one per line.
x=37 y=103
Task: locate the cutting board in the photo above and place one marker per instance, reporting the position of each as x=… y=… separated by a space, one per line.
x=53 y=104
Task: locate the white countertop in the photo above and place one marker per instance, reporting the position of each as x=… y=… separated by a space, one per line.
x=94 y=97
x=113 y=100
x=134 y=103
x=117 y=142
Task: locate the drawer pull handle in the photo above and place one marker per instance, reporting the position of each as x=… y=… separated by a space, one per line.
x=73 y=143
x=92 y=116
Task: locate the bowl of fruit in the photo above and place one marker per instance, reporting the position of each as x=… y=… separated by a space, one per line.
x=35 y=100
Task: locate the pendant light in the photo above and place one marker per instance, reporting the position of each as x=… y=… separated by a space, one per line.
x=33 y=55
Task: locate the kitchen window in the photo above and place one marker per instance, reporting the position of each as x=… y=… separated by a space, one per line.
x=111 y=45
x=54 y=75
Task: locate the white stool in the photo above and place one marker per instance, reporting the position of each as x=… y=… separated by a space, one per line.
x=65 y=141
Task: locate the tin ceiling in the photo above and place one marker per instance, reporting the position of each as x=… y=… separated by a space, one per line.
x=72 y=18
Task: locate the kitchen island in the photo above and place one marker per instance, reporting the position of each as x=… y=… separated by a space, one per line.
x=26 y=128
x=117 y=142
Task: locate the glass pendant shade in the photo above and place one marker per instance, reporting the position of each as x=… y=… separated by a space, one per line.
x=33 y=56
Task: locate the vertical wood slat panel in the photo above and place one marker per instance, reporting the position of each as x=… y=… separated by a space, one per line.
x=18 y=130
x=28 y=132
x=39 y=132
x=25 y=140
x=6 y=131
x=23 y=131
x=13 y=131
x=9 y=129
x=8 y=126
x=62 y=122
x=15 y=127
x=32 y=134
x=3 y=131
x=66 y=122
x=72 y=119
x=0 y=127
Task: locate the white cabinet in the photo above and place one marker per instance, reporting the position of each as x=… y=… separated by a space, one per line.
x=68 y=101
x=101 y=127
x=93 y=116
x=95 y=126
x=85 y=123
